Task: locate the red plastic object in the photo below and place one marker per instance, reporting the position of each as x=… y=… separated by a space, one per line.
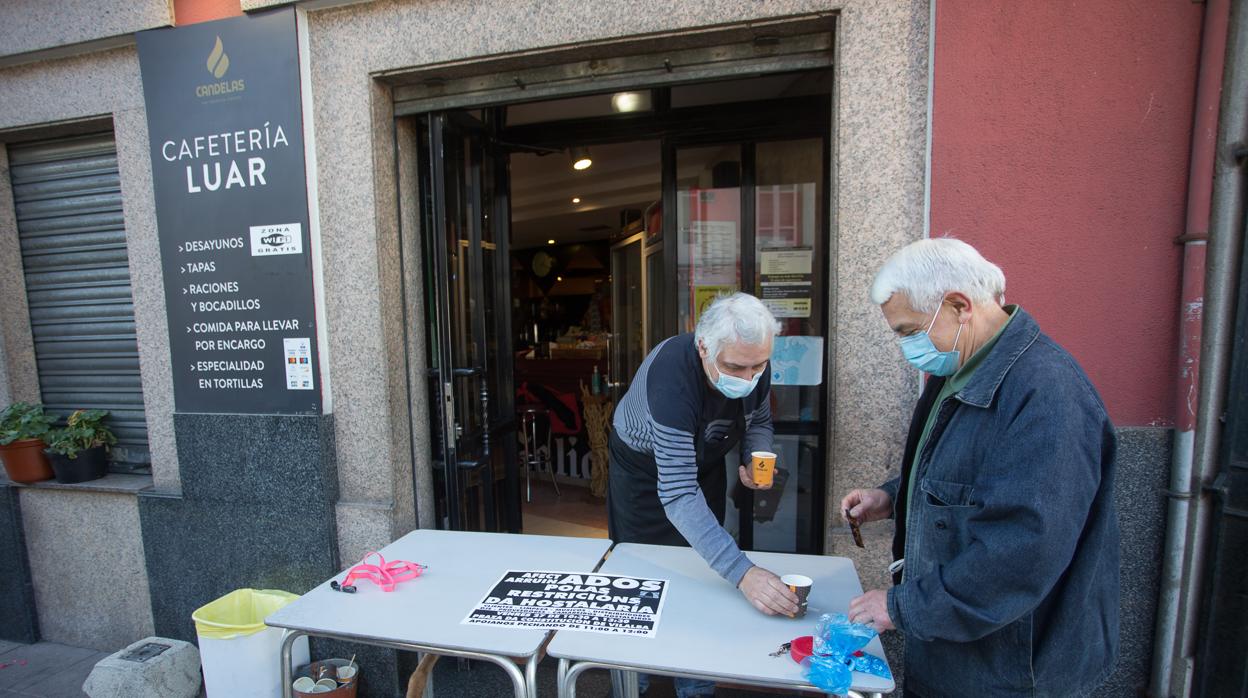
x=801 y=648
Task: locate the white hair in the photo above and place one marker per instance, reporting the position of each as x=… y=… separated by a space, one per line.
x=736 y=318
x=927 y=270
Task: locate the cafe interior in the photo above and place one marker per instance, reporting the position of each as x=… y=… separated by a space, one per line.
x=588 y=269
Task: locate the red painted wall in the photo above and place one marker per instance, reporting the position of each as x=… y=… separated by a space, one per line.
x=1060 y=141
x=192 y=11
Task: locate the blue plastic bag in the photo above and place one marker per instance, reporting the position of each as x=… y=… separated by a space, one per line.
x=838 y=644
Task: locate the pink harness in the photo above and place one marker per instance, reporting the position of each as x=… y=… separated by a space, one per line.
x=383 y=574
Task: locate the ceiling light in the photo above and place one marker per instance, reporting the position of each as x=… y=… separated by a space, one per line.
x=580 y=158
x=558 y=278
x=623 y=102
x=576 y=199
x=550 y=242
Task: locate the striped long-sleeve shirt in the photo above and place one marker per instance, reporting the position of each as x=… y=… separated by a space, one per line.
x=669 y=407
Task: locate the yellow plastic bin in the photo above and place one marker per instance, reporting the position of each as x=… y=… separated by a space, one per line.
x=238 y=652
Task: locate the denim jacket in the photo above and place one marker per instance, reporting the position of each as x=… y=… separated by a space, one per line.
x=1010 y=580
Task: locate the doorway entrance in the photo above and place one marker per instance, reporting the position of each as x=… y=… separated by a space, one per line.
x=566 y=238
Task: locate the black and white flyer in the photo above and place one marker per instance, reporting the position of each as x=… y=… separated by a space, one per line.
x=600 y=603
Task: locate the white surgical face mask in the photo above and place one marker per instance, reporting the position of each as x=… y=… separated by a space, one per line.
x=736 y=388
x=922 y=353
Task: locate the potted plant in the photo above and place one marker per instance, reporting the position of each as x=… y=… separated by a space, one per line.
x=23 y=427
x=79 y=450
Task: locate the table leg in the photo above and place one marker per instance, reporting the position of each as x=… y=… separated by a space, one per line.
x=530 y=676
x=624 y=684
x=288 y=641
x=631 y=689
x=517 y=677
x=561 y=678
x=571 y=672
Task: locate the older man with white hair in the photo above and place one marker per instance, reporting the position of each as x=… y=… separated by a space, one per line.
x=1006 y=543
x=694 y=398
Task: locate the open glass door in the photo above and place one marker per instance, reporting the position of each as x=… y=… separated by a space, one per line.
x=464 y=187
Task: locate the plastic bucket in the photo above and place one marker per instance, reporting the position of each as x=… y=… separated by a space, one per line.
x=238 y=652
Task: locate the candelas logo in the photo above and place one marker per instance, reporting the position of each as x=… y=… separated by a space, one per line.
x=218 y=64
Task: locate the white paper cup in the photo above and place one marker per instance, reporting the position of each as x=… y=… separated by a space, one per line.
x=304 y=684
x=346 y=673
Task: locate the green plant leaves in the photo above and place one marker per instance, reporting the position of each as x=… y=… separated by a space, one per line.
x=23 y=420
x=84 y=429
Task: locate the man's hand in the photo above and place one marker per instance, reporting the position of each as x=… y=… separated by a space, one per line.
x=872 y=609
x=747 y=479
x=867 y=505
x=767 y=593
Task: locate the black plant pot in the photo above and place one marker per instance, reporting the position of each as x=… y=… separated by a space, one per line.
x=91 y=464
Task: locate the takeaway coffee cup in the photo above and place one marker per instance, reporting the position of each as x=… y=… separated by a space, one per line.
x=799 y=584
x=325 y=686
x=763 y=467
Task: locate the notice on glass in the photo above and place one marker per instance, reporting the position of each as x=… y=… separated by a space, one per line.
x=787 y=280
x=797 y=361
x=703 y=296
x=596 y=603
x=715 y=253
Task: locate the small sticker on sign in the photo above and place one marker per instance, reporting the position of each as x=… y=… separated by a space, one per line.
x=298 y=364
x=282 y=238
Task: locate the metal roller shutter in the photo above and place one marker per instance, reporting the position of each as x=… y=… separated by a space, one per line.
x=69 y=220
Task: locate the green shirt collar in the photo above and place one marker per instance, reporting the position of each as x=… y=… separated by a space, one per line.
x=959 y=380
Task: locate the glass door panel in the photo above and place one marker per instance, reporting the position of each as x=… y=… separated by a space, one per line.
x=789 y=272
x=789 y=275
x=784 y=517
x=656 y=312
x=751 y=216
x=628 y=315
x=708 y=227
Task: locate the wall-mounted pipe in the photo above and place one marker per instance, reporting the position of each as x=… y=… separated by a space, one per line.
x=1187 y=545
x=1167 y=637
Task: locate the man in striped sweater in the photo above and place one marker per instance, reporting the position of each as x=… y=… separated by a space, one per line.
x=694 y=398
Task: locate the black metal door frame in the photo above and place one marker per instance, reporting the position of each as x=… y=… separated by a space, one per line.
x=748 y=139
x=454 y=387
x=746 y=124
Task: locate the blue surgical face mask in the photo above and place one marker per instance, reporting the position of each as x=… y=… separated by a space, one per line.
x=736 y=388
x=923 y=354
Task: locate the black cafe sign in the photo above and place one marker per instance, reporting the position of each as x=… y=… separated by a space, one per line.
x=225 y=121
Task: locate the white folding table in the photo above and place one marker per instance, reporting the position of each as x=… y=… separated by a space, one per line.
x=707 y=629
x=424 y=614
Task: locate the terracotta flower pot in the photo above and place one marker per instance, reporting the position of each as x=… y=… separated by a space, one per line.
x=24 y=461
x=90 y=464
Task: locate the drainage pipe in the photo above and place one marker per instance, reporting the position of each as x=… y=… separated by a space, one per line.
x=1224 y=244
x=1191 y=306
